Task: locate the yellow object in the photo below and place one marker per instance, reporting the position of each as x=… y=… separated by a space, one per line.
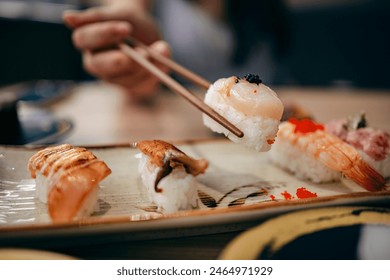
x=278 y=232
x=30 y=254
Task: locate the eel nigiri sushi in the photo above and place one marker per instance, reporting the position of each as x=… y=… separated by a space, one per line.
x=248 y=104
x=373 y=144
x=67 y=179
x=307 y=150
x=169 y=175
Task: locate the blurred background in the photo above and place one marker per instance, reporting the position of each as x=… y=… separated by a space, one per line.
x=332 y=42
x=329 y=44
x=340 y=41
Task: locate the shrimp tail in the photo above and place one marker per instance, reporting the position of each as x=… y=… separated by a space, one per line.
x=367 y=177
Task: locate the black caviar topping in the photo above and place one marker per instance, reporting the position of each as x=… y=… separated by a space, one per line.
x=254 y=79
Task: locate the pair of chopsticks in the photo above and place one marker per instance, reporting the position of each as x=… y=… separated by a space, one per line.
x=127 y=48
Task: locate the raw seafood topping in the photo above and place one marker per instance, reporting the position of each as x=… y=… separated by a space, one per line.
x=305 y=125
x=354 y=130
x=250 y=105
x=254 y=79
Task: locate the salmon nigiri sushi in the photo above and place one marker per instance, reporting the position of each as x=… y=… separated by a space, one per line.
x=250 y=105
x=169 y=175
x=67 y=179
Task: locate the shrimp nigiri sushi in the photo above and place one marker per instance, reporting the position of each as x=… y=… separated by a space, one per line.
x=373 y=144
x=67 y=179
x=304 y=148
x=248 y=104
x=169 y=175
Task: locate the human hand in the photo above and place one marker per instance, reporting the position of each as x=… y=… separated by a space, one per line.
x=97 y=31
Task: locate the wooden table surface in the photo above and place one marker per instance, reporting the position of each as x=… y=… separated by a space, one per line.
x=102 y=114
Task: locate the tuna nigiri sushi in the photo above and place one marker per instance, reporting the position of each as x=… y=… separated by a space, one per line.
x=248 y=104
x=67 y=179
x=307 y=150
x=169 y=175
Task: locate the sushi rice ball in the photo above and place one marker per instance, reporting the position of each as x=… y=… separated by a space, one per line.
x=169 y=175
x=249 y=105
x=67 y=180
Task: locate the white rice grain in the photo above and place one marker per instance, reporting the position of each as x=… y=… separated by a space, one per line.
x=301 y=164
x=178 y=189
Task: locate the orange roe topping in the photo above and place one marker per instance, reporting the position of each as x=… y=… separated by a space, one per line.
x=287 y=195
x=272 y=197
x=305 y=125
x=304 y=193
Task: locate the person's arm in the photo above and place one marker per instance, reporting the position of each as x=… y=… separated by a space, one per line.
x=98 y=30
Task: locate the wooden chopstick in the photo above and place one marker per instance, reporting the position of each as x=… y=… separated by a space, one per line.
x=178 y=88
x=170 y=64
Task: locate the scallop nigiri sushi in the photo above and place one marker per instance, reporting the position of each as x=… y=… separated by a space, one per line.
x=67 y=179
x=248 y=104
x=169 y=175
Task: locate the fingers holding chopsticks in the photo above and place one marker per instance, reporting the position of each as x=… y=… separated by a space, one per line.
x=143 y=24
x=115 y=67
x=76 y=19
x=97 y=32
x=101 y=35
